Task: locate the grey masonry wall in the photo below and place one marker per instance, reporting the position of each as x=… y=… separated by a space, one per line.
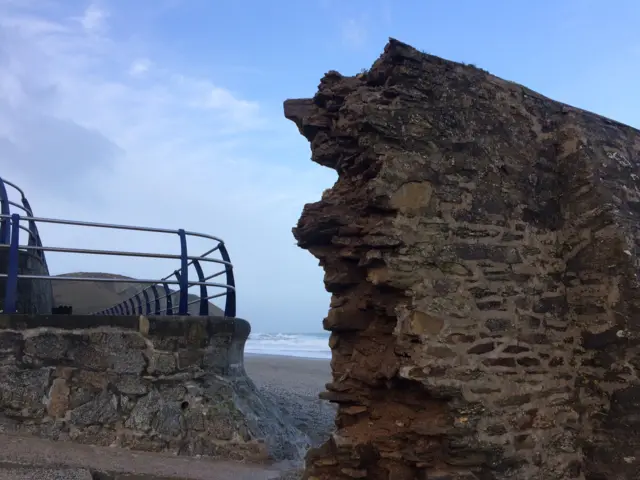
x=174 y=384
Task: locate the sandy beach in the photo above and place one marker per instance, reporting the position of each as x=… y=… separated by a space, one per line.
x=294 y=383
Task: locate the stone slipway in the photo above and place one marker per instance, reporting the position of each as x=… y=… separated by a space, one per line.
x=30 y=458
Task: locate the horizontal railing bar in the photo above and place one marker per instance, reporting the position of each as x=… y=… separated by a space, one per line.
x=190 y=284
x=114 y=226
x=203 y=235
x=172 y=294
x=114 y=280
x=117 y=253
x=100 y=252
x=214 y=275
x=85 y=279
x=210 y=284
x=201 y=257
x=192 y=302
x=22 y=227
x=215 y=296
x=93 y=224
x=17 y=205
x=209 y=252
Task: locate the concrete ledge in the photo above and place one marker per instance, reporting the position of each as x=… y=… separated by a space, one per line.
x=33 y=458
x=166 y=325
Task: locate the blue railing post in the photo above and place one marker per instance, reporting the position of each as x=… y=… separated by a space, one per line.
x=147 y=305
x=11 y=288
x=183 y=305
x=204 y=302
x=139 y=302
x=5 y=225
x=230 y=303
x=133 y=307
x=169 y=302
x=126 y=308
x=156 y=300
x=33 y=230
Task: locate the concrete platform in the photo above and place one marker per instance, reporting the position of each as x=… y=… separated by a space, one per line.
x=30 y=458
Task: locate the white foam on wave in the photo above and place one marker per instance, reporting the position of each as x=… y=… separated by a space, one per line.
x=306 y=345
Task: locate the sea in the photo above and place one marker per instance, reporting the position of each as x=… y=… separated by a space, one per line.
x=306 y=345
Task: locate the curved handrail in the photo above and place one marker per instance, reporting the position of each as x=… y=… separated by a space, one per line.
x=6 y=234
x=5 y=225
x=203 y=282
x=6 y=203
x=142 y=300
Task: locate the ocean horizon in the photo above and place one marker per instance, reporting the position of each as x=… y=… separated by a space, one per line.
x=304 y=345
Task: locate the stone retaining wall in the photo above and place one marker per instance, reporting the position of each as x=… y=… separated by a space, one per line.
x=150 y=383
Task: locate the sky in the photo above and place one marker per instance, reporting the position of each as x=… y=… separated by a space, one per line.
x=168 y=113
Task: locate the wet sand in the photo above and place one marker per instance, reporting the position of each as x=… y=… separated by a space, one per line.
x=294 y=384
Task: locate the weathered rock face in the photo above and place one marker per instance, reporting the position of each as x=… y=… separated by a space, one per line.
x=172 y=384
x=481 y=248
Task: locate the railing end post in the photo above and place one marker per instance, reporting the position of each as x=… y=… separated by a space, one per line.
x=230 y=303
x=183 y=304
x=11 y=287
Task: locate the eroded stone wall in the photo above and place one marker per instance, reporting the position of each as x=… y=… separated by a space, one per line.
x=173 y=384
x=481 y=247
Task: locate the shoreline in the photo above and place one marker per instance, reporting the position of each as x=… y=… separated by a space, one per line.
x=294 y=384
x=293 y=357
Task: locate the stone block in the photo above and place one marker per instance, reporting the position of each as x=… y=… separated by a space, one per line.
x=22 y=391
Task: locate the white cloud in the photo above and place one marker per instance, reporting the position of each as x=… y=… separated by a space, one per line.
x=139 y=67
x=89 y=141
x=94 y=18
x=354 y=33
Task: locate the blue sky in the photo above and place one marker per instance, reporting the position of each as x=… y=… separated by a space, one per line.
x=169 y=112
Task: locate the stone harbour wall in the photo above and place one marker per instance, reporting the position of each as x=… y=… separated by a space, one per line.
x=481 y=247
x=173 y=384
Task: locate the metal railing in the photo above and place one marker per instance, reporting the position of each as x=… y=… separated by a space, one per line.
x=11 y=223
x=24 y=206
